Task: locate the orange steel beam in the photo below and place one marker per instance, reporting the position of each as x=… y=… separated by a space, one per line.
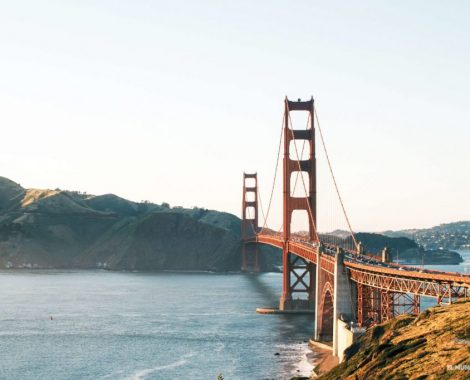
x=421 y=287
x=295 y=248
x=418 y=274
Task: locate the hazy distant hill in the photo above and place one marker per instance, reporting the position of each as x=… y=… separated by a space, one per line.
x=402 y=249
x=406 y=250
x=445 y=236
x=66 y=229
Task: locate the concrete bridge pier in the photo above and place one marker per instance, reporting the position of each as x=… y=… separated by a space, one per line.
x=342 y=310
x=342 y=300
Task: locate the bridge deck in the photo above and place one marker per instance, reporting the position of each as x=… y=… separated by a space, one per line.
x=367 y=270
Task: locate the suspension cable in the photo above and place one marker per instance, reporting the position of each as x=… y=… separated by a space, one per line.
x=275 y=176
x=261 y=204
x=334 y=181
x=248 y=211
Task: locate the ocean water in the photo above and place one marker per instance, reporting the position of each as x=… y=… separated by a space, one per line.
x=121 y=325
x=461 y=268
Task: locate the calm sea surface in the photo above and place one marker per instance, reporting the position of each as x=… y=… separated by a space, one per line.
x=110 y=325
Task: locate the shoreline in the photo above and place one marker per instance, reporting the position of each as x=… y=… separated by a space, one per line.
x=323 y=360
x=314 y=360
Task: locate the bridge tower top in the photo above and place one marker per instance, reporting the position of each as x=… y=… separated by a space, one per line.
x=250 y=206
x=292 y=166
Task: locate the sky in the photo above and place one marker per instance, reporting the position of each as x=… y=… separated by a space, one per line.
x=171 y=101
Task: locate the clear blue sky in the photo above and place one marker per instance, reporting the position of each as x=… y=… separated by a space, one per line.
x=173 y=100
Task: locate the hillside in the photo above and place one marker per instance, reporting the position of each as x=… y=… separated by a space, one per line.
x=406 y=250
x=445 y=236
x=402 y=249
x=42 y=228
x=433 y=345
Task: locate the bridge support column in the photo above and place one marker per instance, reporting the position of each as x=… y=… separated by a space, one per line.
x=342 y=300
x=298 y=276
x=286 y=297
x=316 y=333
x=249 y=225
x=386 y=305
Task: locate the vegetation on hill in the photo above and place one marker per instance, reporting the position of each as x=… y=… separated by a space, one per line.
x=404 y=249
x=433 y=345
x=445 y=236
x=68 y=229
x=376 y=242
x=10 y=193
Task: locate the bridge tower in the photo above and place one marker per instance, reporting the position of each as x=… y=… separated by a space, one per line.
x=249 y=227
x=299 y=275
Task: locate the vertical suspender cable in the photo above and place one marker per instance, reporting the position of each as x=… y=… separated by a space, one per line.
x=334 y=181
x=275 y=176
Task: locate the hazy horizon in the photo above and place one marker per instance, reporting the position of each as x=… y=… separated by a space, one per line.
x=172 y=102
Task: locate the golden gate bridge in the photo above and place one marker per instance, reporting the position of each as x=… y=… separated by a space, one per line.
x=333 y=276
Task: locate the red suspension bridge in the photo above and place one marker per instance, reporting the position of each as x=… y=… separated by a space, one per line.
x=332 y=276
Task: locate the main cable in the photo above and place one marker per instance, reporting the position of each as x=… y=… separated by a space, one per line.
x=275 y=176
x=334 y=181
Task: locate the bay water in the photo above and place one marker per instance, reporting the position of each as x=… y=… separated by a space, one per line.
x=57 y=324
x=121 y=325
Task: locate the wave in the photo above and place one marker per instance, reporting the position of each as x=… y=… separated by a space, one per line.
x=219 y=347
x=296 y=358
x=305 y=366
x=143 y=373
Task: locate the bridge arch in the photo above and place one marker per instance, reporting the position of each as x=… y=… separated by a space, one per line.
x=325 y=313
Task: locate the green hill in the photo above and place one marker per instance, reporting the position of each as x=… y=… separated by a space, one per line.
x=43 y=228
x=11 y=193
x=444 y=236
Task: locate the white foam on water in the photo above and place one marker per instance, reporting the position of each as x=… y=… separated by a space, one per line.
x=143 y=373
x=297 y=359
x=304 y=367
x=219 y=347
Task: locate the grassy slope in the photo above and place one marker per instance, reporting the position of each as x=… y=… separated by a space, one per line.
x=411 y=347
x=63 y=229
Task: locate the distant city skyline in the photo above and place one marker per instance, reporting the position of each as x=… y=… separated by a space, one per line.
x=173 y=101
